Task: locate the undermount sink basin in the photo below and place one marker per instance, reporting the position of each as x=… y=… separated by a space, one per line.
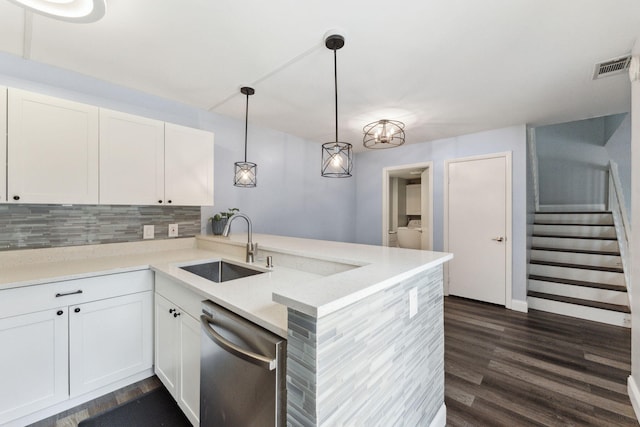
x=220 y=271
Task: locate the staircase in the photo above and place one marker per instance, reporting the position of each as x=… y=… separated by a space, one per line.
x=575 y=267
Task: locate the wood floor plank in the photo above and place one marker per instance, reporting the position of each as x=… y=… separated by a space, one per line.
x=533 y=369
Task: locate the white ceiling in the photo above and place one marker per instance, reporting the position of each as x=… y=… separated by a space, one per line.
x=444 y=67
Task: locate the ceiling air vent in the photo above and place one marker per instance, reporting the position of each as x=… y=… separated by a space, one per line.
x=612 y=67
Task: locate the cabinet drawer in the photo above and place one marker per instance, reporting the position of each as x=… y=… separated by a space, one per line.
x=178 y=294
x=42 y=297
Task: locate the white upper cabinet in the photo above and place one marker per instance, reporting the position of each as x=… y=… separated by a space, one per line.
x=413 y=199
x=3 y=144
x=188 y=155
x=52 y=150
x=131 y=159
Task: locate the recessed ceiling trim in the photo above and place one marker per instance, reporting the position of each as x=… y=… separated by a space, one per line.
x=612 y=67
x=27 y=34
x=81 y=11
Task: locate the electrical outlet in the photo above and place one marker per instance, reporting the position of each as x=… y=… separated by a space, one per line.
x=148 y=232
x=173 y=230
x=413 y=302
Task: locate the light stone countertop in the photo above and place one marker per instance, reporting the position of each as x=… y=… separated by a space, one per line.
x=312 y=276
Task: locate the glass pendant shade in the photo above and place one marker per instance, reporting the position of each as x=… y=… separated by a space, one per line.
x=383 y=134
x=336 y=159
x=82 y=11
x=245 y=174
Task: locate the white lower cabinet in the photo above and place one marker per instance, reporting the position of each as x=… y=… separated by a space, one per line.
x=61 y=340
x=109 y=340
x=33 y=362
x=177 y=344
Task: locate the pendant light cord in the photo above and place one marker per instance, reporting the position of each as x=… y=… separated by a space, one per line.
x=335 y=79
x=246 y=126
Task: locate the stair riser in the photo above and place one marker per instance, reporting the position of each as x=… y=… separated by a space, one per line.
x=563 y=218
x=575 y=230
x=581 y=312
x=577 y=274
x=579 y=244
x=577 y=258
x=582 y=292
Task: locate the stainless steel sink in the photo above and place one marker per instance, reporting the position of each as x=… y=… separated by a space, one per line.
x=220 y=271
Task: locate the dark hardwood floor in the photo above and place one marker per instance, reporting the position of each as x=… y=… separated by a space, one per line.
x=73 y=416
x=504 y=368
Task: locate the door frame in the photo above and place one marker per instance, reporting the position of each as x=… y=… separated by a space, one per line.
x=508 y=156
x=385 y=199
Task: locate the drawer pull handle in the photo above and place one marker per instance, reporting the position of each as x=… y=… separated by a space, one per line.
x=79 y=291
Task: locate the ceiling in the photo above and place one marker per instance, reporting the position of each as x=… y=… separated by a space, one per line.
x=443 y=67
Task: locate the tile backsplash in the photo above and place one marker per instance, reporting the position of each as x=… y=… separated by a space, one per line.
x=46 y=226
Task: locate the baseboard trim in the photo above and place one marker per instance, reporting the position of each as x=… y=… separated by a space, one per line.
x=572 y=208
x=634 y=395
x=440 y=420
x=519 y=305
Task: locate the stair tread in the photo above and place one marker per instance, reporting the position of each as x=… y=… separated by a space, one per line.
x=577 y=251
x=557 y=236
x=579 y=301
x=574 y=212
x=573 y=224
x=574 y=282
x=580 y=266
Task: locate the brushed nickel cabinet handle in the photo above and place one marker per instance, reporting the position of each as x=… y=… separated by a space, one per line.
x=79 y=291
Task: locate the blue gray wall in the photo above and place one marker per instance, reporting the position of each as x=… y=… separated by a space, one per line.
x=369 y=167
x=291 y=197
x=573 y=159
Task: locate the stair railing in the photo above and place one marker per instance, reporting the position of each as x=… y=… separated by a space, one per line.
x=618 y=209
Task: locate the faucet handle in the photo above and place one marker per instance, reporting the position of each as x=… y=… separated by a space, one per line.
x=269 y=261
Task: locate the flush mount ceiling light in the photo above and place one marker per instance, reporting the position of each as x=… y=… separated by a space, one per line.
x=245 y=172
x=336 y=156
x=383 y=134
x=82 y=11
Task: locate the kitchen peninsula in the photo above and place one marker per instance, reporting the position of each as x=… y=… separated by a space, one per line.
x=364 y=324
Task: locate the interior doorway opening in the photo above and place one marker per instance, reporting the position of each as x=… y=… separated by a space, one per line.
x=407 y=206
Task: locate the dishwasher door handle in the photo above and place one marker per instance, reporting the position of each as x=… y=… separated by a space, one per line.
x=249 y=356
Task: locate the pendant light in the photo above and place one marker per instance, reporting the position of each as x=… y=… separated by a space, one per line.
x=245 y=172
x=336 y=156
x=383 y=134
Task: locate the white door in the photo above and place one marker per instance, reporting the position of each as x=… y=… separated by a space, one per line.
x=109 y=340
x=33 y=362
x=188 y=169
x=189 y=390
x=52 y=150
x=167 y=333
x=477 y=228
x=425 y=209
x=131 y=159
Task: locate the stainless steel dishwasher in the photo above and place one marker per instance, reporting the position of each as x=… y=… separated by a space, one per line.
x=242 y=372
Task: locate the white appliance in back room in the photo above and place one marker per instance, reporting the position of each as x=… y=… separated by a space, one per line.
x=410 y=236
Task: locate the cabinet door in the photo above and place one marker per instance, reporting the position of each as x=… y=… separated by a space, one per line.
x=3 y=144
x=189 y=390
x=413 y=199
x=33 y=362
x=109 y=340
x=167 y=332
x=52 y=150
x=188 y=170
x=131 y=159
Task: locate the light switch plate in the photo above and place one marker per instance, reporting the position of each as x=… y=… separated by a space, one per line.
x=148 y=232
x=173 y=230
x=413 y=302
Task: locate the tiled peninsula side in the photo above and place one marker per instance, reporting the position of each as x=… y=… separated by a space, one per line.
x=369 y=363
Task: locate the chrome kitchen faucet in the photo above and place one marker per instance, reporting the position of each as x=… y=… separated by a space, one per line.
x=252 y=248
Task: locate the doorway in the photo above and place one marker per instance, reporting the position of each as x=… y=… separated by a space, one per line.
x=477 y=227
x=407 y=203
